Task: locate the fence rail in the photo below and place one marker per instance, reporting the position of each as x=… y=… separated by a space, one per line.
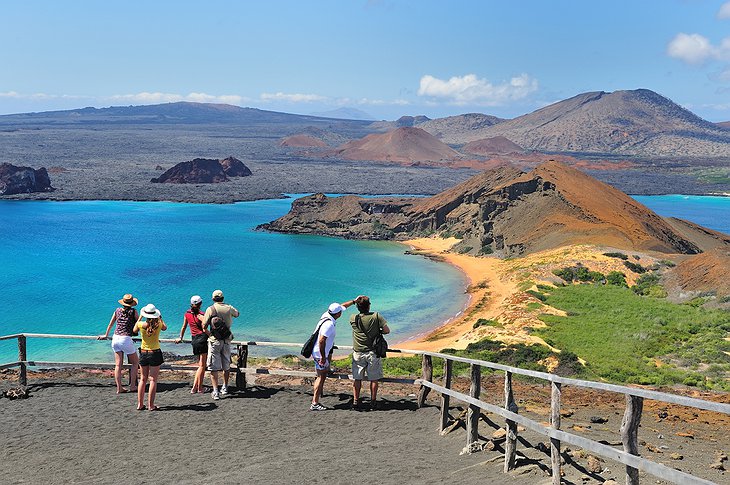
x=629 y=456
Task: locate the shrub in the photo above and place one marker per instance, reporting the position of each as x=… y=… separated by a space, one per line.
x=617 y=255
x=465 y=249
x=537 y=295
x=668 y=263
x=636 y=268
x=566 y=274
x=544 y=288
x=486 y=249
x=616 y=278
x=483 y=322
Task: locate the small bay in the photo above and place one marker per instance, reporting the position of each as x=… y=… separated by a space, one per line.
x=65 y=265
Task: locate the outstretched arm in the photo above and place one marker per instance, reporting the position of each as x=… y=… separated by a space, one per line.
x=182 y=331
x=108 y=328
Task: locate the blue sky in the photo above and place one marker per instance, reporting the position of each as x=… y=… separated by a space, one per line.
x=385 y=57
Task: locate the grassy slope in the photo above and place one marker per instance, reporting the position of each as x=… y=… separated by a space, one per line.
x=628 y=338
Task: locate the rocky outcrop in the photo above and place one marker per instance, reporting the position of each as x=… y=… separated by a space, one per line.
x=233 y=167
x=302 y=141
x=502 y=211
x=203 y=171
x=23 y=180
x=497 y=145
x=704 y=273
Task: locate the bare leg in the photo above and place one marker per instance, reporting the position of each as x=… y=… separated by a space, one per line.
x=118 y=362
x=200 y=374
x=133 y=360
x=142 y=386
x=374 y=391
x=214 y=379
x=319 y=385
x=154 y=372
x=356 y=386
x=226 y=375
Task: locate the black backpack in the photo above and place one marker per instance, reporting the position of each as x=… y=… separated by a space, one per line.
x=380 y=346
x=308 y=346
x=218 y=326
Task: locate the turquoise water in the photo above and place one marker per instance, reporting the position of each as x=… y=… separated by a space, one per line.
x=711 y=212
x=65 y=265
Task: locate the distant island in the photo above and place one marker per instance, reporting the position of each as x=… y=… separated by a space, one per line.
x=636 y=140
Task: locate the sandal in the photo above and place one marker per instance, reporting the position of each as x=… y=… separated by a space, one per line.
x=141 y=408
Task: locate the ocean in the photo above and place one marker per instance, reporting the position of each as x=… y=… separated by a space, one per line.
x=65 y=265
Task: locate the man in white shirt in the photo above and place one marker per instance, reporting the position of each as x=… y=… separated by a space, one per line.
x=322 y=352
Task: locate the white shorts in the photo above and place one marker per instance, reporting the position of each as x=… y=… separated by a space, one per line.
x=366 y=365
x=219 y=356
x=122 y=343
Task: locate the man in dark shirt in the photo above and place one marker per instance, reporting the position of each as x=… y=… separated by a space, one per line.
x=365 y=327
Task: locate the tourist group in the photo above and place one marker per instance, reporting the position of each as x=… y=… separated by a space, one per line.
x=211 y=340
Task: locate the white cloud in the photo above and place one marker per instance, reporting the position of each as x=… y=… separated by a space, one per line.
x=39 y=96
x=691 y=48
x=293 y=98
x=156 y=98
x=724 y=12
x=471 y=89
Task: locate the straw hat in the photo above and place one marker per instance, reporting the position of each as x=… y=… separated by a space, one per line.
x=128 y=300
x=150 y=311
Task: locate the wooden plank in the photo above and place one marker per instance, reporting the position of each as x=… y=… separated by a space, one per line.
x=11 y=337
x=555 y=423
x=656 y=469
x=510 y=445
x=10 y=365
x=472 y=417
x=647 y=394
x=426 y=375
x=241 y=363
x=22 y=357
x=448 y=370
x=630 y=434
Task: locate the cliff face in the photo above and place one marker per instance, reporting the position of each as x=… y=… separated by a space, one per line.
x=203 y=171
x=502 y=211
x=23 y=180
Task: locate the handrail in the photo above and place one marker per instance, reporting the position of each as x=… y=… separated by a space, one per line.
x=629 y=428
x=602 y=386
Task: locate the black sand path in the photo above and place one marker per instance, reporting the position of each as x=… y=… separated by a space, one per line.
x=80 y=431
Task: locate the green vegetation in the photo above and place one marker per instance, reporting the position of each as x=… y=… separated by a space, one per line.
x=579 y=273
x=616 y=278
x=486 y=249
x=465 y=249
x=635 y=267
x=537 y=295
x=483 y=322
x=648 y=285
x=668 y=263
x=617 y=255
x=627 y=338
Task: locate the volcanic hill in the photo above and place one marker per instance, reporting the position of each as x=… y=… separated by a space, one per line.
x=302 y=141
x=639 y=122
x=704 y=273
x=460 y=128
x=497 y=145
x=506 y=212
x=404 y=145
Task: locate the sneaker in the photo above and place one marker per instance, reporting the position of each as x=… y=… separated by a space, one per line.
x=224 y=391
x=216 y=395
x=317 y=407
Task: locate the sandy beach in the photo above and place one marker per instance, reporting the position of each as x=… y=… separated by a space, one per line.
x=497 y=291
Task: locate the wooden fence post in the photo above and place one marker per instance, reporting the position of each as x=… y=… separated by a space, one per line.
x=555 y=423
x=472 y=417
x=426 y=375
x=241 y=364
x=630 y=433
x=448 y=369
x=510 y=445
x=22 y=357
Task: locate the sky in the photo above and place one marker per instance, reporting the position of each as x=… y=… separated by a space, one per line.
x=387 y=58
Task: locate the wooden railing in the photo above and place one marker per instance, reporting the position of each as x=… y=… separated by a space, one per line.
x=629 y=456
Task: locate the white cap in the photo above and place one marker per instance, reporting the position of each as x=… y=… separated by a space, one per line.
x=335 y=308
x=195 y=299
x=218 y=294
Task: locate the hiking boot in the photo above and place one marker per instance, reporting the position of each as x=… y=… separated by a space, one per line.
x=216 y=395
x=355 y=406
x=317 y=407
x=224 y=391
